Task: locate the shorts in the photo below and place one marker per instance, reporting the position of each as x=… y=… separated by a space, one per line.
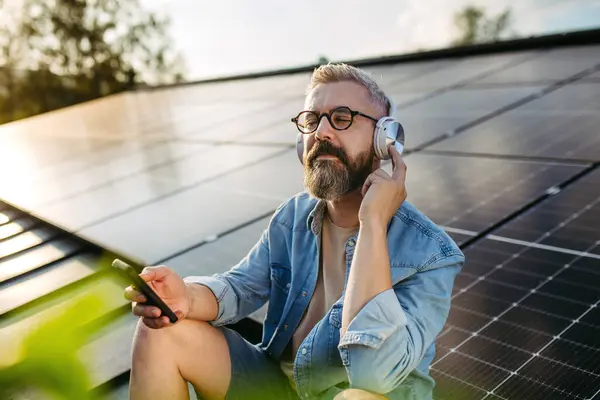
x=254 y=375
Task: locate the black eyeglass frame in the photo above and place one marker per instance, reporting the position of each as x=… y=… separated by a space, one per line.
x=328 y=115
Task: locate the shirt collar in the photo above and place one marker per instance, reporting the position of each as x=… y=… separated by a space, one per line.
x=314 y=221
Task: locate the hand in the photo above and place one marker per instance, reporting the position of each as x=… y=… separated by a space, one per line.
x=383 y=194
x=170 y=287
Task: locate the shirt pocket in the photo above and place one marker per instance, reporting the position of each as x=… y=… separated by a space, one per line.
x=281 y=276
x=333 y=330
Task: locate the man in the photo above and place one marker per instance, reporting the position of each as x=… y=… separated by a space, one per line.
x=358 y=280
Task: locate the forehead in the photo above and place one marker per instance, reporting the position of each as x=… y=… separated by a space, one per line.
x=326 y=96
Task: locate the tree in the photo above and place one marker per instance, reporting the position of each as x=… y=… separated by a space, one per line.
x=475 y=27
x=322 y=60
x=70 y=51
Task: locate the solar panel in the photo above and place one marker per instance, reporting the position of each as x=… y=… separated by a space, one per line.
x=551 y=65
x=64 y=196
x=562 y=125
x=272 y=134
x=234 y=90
x=177 y=222
x=37 y=257
x=518 y=324
x=526 y=305
x=21 y=291
x=248 y=126
x=447 y=191
x=219 y=255
x=447 y=73
x=388 y=75
x=567 y=220
x=62 y=186
x=453 y=110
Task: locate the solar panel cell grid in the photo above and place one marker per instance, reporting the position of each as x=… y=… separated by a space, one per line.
x=453 y=72
x=448 y=192
x=453 y=110
x=523 y=307
x=562 y=124
x=552 y=65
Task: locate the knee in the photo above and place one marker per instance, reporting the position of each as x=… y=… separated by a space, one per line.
x=358 y=394
x=165 y=338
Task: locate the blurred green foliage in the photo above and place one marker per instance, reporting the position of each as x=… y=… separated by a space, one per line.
x=47 y=359
x=55 y=53
x=475 y=26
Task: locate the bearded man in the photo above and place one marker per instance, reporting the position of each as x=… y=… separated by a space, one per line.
x=358 y=281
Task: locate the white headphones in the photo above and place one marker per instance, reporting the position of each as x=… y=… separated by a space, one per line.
x=388 y=131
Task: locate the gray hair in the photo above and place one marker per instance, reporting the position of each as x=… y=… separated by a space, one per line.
x=330 y=73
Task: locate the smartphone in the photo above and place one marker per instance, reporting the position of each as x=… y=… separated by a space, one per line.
x=152 y=298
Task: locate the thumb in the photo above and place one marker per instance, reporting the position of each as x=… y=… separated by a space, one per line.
x=155 y=273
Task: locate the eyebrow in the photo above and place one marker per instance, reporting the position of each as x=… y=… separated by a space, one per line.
x=332 y=108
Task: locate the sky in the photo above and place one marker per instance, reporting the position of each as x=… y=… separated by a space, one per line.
x=227 y=37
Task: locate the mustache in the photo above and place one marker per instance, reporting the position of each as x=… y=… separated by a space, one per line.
x=325 y=148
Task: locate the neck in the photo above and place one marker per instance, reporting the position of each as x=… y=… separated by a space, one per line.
x=343 y=211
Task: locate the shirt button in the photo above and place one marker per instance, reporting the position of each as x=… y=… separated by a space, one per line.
x=288 y=285
x=351 y=243
x=304 y=294
x=303 y=351
x=285 y=327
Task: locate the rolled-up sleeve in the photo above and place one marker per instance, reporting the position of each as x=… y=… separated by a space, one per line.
x=244 y=288
x=389 y=336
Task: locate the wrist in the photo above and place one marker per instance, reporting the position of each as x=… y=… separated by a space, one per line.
x=189 y=298
x=373 y=225
x=201 y=302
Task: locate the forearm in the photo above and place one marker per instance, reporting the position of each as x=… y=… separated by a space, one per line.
x=369 y=273
x=203 y=303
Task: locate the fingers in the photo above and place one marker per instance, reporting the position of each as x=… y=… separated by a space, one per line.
x=398 y=165
x=142 y=310
x=154 y=273
x=381 y=173
x=368 y=182
x=132 y=294
x=376 y=175
x=156 y=323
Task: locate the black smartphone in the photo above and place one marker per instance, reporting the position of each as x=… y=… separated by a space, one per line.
x=152 y=298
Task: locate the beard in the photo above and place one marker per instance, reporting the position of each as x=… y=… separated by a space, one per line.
x=328 y=179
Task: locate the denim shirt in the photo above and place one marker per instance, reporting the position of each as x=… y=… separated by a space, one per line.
x=388 y=345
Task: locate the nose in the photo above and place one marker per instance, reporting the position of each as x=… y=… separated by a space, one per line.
x=324 y=130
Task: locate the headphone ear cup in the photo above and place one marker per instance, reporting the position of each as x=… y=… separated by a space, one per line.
x=379 y=140
x=388 y=132
x=300 y=147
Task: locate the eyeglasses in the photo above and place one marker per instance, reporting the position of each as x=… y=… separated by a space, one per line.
x=340 y=118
